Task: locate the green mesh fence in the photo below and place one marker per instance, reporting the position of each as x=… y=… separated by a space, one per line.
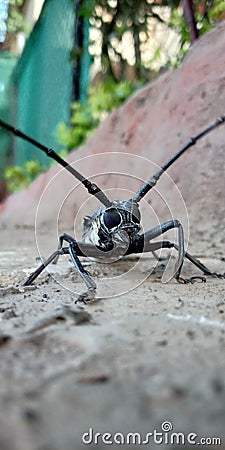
x=42 y=80
x=7 y=64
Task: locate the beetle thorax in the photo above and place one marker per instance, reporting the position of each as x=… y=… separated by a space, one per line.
x=102 y=226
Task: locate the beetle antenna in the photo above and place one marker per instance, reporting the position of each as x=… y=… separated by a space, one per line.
x=152 y=181
x=92 y=188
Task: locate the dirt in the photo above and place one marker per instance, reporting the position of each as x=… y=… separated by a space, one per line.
x=124 y=363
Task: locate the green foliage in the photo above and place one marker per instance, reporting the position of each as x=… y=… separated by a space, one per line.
x=82 y=125
x=15 y=21
x=178 y=23
x=19 y=177
x=109 y=95
x=217 y=12
x=85 y=117
x=205 y=19
x=115 y=18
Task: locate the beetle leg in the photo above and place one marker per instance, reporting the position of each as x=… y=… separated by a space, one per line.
x=64 y=237
x=40 y=269
x=148 y=246
x=90 y=294
x=200 y=266
x=145 y=244
x=74 y=249
x=159 y=258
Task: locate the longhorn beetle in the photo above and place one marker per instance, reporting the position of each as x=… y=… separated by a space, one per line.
x=113 y=229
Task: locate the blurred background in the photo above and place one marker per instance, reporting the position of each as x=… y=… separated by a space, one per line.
x=65 y=65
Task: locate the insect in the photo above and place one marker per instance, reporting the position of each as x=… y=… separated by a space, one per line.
x=113 y=229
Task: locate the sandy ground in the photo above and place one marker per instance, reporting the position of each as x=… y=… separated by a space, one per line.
x=123 y=364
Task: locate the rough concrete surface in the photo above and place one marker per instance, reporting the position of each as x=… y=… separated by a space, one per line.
x=144 y=352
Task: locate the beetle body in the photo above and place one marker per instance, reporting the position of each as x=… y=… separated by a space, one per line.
x=105 y=223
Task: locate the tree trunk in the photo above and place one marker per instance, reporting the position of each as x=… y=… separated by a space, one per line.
x=190 y=19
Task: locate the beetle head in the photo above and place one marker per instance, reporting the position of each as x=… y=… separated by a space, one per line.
x=122 y=215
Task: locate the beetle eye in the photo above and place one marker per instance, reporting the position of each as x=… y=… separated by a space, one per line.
x=111 y=218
